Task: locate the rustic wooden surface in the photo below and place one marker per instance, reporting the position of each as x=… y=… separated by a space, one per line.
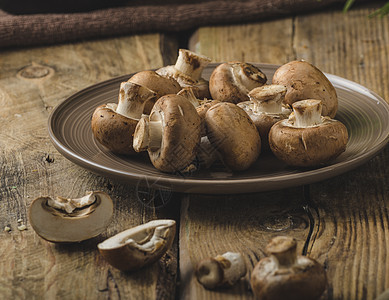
x=30 y=267
x=342 y=222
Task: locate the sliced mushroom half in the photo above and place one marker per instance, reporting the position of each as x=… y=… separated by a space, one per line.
x=71 y=220
x=139 y=246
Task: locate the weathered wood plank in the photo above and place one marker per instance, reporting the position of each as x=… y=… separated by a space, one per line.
x=266 y=42
x=352 y=216
x=347 y=215
x=30 y=166
x=212 y=225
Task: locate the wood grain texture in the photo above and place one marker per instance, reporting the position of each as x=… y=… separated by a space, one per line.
x=347 y=215
x=32 y=81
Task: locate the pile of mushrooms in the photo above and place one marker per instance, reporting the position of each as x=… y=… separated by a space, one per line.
x=185 y=122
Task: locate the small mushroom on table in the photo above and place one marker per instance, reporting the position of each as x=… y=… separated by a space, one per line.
x=113 y=124
x=286 y=275
x=221 y=271
x=71 y=220
x=304 y=81
x=266 y=108
x=188 y=71
x=171 y=134
x=139 y=246
x=233 y=134
x=232 y=81
x=307 y=139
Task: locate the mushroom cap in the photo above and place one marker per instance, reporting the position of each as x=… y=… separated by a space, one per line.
x=113 y=130
x=202 y=110
x=157 y=83
x=304 y=81
x=139 y=246
x=56 y=225
x=263 y=122
x=209 y=273
x=225 y=83
x=180 y=135
x=310 y=146
x=305 y=280
x=234 y=135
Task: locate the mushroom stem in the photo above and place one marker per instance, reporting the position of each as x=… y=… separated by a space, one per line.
x=148 y=133
x=132 y=99
x=187 y=92
x=191 y=64
x=268 y=98
x=221 y=270
x=283 y=251
x=307 y=113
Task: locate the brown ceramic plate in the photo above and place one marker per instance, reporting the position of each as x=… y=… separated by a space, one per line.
x=364 y=113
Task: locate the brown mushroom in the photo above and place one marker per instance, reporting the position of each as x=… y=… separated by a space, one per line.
x=114 y=124
x=71 y=220
x=306 y=139
x=231 y=82
x=286 y=275
x=188 y=70
x=304 y=81
x=139 y=246
x=265 y=108
x=171 y=134
x=234 y=135
x=159 y=84
x=221 y=271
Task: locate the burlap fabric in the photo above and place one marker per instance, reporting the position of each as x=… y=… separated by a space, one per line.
x=20 y=29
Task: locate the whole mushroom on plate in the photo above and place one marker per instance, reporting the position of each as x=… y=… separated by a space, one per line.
x=188 y=71
x=233 y=134
x=232 y=81
x=113 y=124
x=170 y=134
x=161 y=85
x=307 y=139
x=304 y=81
x=266 y=108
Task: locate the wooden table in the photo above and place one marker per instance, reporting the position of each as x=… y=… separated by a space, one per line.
x=342 y=222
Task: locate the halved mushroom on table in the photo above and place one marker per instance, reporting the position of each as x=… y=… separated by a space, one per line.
x=307 y=139
x=139 y=246
x=71 y=220
x=114 y=124
x=170 y=134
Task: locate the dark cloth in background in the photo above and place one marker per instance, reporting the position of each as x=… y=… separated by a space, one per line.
x=25 y=23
